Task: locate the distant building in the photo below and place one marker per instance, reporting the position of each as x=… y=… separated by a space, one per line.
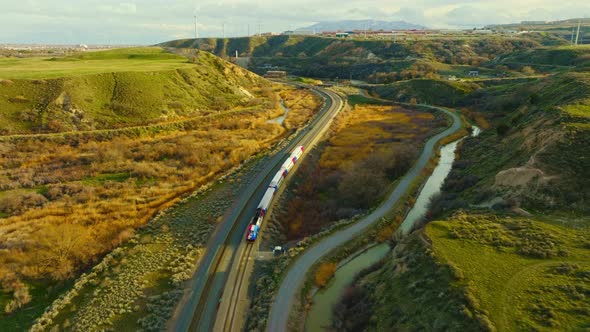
x=342 y=34
x=276 y=74
x=299 y=32
x=534 y=22
x=452 y=78
x=473 y=73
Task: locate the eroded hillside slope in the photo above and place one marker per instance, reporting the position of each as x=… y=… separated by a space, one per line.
x=118 y=88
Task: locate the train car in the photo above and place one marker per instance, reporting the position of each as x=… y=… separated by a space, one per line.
x=278 y=179
x=252 y=233
x=293 y=157
x=288 y=164
x=296 y=154
x=265 y=201
x=263 y=206
x=274 y=185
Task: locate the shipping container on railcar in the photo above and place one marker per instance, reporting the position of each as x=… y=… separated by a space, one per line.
x=278 y=179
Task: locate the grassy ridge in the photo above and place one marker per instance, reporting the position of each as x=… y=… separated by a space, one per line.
x=429 y=91
x=334 y=57
x=119 y=60
x=526 y=274
x=555 y=56
x=297 y=46
x=117 y=88
x=409 y=291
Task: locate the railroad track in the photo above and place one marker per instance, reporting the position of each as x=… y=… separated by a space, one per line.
x=199 y=309
x=242 y=276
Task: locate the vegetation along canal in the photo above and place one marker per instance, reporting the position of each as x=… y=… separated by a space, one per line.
x=319 y=317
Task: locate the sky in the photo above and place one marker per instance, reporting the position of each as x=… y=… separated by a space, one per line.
x=153 y=21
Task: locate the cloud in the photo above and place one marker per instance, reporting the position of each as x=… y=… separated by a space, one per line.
x=152 y=21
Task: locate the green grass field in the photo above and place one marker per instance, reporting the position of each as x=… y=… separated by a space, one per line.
x=527 y=275
x=118 y=60
x=117 y=88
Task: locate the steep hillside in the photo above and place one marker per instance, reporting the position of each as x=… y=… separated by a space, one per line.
x=508 y=248
x=117 y=88
x=534 y=157
x=409 y=291
x=553 y=57
x=476 y=272
x=429 y=91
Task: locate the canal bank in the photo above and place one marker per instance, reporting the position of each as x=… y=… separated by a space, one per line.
x=319 y=317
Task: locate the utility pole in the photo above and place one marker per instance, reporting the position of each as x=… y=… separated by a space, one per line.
x=259 y=34
x=578 y=33
x=248 y=29
x=223 y=30
x=196 y=30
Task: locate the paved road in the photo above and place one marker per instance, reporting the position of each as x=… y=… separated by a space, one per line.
x=293 y=280
x=198 y=308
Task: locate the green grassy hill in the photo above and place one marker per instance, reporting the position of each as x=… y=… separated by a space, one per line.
x=411 y=290
x=476 y=272
x=116 y=88
x=526 y=274
x=429 y=91
x=547 y=58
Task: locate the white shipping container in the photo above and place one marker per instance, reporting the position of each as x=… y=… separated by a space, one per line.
x=265 y=202
x=297 y=152
x=278 y=179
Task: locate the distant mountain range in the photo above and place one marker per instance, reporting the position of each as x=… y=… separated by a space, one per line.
x=349 y=25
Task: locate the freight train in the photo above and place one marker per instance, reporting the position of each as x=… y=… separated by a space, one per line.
x=254 y=227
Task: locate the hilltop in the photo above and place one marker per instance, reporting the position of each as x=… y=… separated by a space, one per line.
x=359 y=58
x=117 y=88
x=563 y=29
